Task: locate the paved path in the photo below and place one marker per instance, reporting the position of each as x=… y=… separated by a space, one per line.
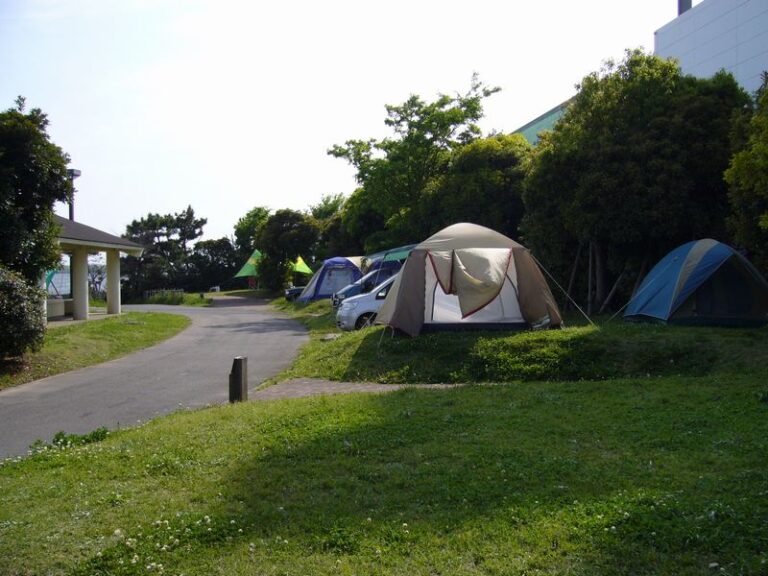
x=190 y=369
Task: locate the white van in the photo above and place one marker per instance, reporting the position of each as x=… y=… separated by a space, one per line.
x=360 y=311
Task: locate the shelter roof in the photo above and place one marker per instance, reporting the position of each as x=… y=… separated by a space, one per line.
x=77 y=234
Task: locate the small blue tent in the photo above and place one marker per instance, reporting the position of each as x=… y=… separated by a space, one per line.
x=334 y=274
x=702 y=282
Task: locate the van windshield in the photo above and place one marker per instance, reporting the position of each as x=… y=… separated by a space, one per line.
x=371 y=280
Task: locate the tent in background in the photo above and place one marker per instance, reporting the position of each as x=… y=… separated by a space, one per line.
x=469 y=276
x=702 y=282
x=335 y=274
x=398 y=254
x=250 y=268
x=300 y=267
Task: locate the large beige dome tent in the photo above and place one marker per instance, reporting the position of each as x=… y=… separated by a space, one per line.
x=469 y=276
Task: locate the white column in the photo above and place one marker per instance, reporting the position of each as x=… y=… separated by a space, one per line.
x=113 y=282
x=79 y=264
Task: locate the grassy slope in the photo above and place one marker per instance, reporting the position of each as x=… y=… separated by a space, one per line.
x=613 y=350
x=79 y=345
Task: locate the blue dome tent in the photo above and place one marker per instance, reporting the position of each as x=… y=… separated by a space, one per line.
x=335 y=274
x=702 y=282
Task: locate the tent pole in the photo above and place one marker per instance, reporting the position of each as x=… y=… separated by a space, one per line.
x=561 y=289
x=589 y=282
x=573 y=277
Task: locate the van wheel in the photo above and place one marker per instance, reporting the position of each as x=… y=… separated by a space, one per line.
x=365 y=320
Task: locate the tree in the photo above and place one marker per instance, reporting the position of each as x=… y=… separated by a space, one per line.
x=286 y=235
x=329 y=206
x=747 y=178
x=393 y=173
x=167 y=247
x=33 y=177
x=22 y=323
x=633 y=168
x=363 y=222
x=213 y=263
x=188 y=228
x=97 y=274
x=482 y=184
x=247 y=230
x=334 y=240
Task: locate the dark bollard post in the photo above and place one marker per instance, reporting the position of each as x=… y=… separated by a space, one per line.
x=238 y=380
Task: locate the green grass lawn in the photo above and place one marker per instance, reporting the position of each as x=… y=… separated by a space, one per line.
x=178 y=299
x=73 y=346
x=203 y=298
x=246 y=293
x=627 y=476
x=609 y=450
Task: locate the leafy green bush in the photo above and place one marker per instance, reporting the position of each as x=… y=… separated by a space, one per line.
x=22 y=320
x=62 y=440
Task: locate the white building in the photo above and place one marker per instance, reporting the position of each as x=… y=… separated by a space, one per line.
x=716 y=35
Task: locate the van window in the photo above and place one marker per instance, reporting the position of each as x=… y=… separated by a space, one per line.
x=383 y=292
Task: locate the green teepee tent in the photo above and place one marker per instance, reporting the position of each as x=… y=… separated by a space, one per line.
x=250 y=268
x=301 y=267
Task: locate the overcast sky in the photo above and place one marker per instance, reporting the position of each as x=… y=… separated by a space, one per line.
x=226 y=105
